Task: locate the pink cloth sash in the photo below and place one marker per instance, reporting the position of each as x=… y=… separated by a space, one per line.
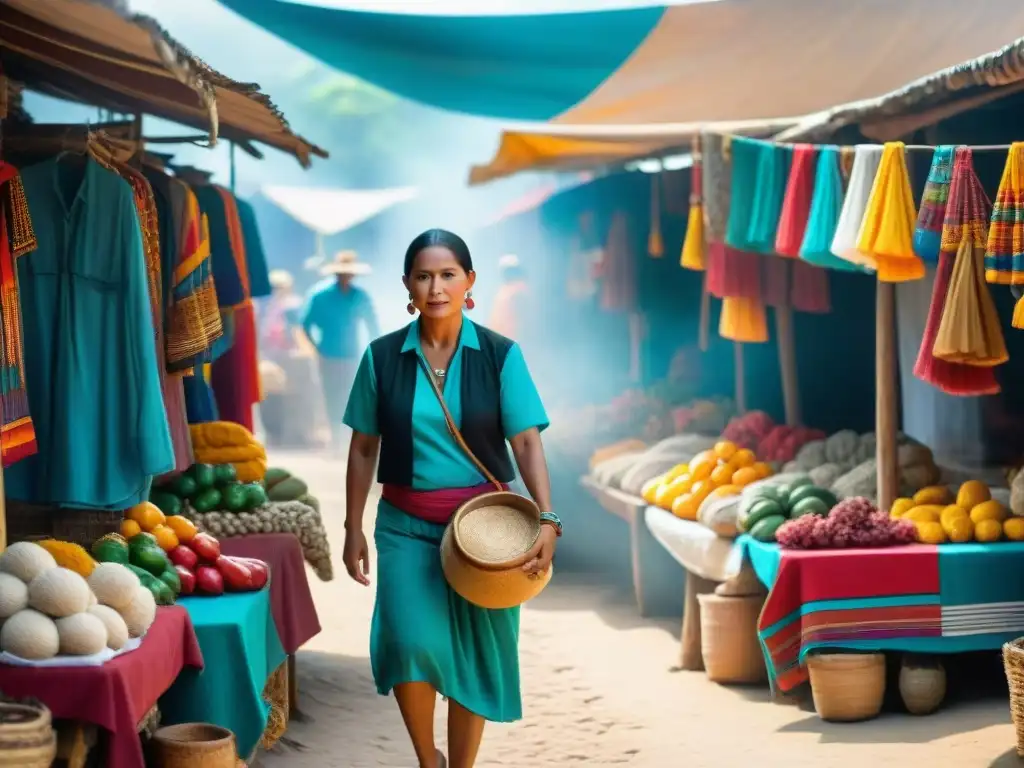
x=433 y=506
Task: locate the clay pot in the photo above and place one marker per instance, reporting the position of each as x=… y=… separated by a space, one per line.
x=922 y=684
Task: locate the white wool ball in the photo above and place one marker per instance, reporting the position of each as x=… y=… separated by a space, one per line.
x=29 y=634
x=13 y=595
x=81 y=634
x=58 y=592
x=113 y=584
x=26 y=560
x=92 y=599
x=117 y=630
x=140 y=613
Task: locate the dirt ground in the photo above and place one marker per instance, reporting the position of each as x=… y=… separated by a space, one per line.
x=599 y=689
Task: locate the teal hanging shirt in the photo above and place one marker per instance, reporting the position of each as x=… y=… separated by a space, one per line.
x=90 y=350
x=438 y=462
x=331 y=319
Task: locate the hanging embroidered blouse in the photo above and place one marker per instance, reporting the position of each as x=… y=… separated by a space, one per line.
x=90 y=360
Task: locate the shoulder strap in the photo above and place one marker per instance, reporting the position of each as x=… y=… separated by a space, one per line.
x=454 y=430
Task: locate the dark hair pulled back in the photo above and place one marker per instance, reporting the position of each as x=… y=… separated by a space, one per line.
x=441 y=238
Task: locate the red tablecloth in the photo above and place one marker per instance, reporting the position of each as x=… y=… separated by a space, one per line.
x=117 y=695
x=290 y=599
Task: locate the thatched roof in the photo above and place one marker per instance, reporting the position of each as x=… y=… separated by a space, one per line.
x=87 y=52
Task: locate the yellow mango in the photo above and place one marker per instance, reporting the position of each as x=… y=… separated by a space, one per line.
x=676 y=472
x=1013 y=528
x=951 y=512
x=972 y=493
x=925 y=513
x=650 y=489
x=958 y=528
x=900 y=507
x=988 y=531
x=930 y=533
x=933 y=494
x=668 y=493
x=988 y=510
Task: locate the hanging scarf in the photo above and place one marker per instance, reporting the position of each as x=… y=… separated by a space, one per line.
x=826 y=208
x=928 y=234
x=773 y=166
x=17 y=432
x=1004 y=251
x=887 y=231
x=796 y=205
x=734 y=270
x=969 y=331
x=866 y=159
x=716 y=186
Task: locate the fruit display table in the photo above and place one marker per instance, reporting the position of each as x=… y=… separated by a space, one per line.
x=241 y=648
x=117 y=695
x=291 y=601
x=655 y=573
x=917 y=598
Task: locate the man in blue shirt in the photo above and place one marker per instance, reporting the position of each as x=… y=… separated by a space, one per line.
x=331 y=316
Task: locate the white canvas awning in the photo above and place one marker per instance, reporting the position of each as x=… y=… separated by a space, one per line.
x=329 y=211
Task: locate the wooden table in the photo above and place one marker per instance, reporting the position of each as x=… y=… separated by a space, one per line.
x=655 y=573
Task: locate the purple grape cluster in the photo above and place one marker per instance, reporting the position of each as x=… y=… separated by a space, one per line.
x=851 y=523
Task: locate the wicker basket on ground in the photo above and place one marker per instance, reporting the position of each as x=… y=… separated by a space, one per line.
x=847 y=687
x=728 y=627
x=27 y=738
x=30 y=522
x=194 y=745
x=1013 y=663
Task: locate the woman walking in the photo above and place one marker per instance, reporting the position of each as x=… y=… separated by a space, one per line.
x=425 y=639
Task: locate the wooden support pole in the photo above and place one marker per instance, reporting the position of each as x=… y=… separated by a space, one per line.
x=885 y=394
x=787 y=364
x=741 y=378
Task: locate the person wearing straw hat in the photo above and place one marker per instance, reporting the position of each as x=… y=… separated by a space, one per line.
x=425 y=639
x=333 y=313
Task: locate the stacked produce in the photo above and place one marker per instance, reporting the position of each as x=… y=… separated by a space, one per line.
x=719 y=472
x=852 y=522
x=631 y=469
x=206 y=487
x=703 y=417
x=764 y=509
x=916 y=467
x=293 y=517
x=171 y=556
x=48 y=610
x=972 y=515
x=777 y=443
x=223 y=442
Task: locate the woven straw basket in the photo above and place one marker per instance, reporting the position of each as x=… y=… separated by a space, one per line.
x=729 y=644
x=485 y=547
x=1013 y=663
x=847 y=687
x=194 y=745
x=27 y=738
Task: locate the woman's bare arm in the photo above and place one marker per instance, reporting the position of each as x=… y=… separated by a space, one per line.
x=533 y=466
x=362 y=461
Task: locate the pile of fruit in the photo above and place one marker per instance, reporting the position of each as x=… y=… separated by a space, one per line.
x=852 y=523
x=765 y=508
x=777 y=443
x=722 y=471
x=224 y=442
x=973 y=515
x=172 y=550
x=207 y=487
x=293 y=517
x=49 y=610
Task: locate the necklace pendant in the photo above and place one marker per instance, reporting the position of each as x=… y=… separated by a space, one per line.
x=439 y=372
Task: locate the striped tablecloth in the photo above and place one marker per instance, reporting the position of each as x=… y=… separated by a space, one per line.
x=920 y=598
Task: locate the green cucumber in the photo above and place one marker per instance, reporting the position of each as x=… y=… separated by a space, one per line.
x=765 y=528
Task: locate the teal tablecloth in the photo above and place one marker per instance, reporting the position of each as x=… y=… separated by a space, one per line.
x=241 y=649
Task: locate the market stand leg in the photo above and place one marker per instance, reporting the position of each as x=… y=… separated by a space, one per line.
x=655 y=572
x=691 y=657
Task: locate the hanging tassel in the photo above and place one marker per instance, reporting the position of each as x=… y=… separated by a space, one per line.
x=743 y=320
x=655 y=243
x=694 y=255
x=1004 y=251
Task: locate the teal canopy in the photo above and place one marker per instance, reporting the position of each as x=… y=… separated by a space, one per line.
x=523 y=67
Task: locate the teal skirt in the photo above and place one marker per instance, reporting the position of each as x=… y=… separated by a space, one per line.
x=424 y=632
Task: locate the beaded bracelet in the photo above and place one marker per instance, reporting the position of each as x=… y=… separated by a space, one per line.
x=552 y=519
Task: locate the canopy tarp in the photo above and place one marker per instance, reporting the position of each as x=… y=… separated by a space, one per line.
x=85 y=52
x=330 y=211
x=667 y=68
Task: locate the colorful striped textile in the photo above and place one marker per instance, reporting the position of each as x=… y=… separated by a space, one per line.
x=917 y=598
